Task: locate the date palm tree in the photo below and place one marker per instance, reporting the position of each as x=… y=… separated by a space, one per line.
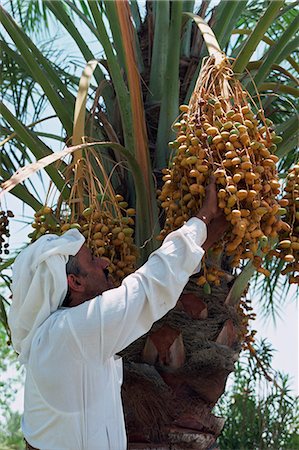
x=148 y=60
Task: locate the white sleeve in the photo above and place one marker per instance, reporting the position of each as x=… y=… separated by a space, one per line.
x=109 y=323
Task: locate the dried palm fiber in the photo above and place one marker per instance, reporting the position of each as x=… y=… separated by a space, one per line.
x=152 y=410
x=196 y=333
x=205 y=360
x=198 y=337
x=148 y=401
x=93 y=207
x=222 y=132
x=240 y=316
x=151 y=406
x=288 y=247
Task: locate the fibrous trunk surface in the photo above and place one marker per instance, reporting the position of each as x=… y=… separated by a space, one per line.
x=175 y=374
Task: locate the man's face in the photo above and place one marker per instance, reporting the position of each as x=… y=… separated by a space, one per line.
x=94 y=276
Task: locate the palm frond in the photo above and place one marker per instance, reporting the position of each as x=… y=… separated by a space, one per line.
x=272 y=291
x=30 y=14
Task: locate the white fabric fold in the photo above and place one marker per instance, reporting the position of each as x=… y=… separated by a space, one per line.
x=39 y=285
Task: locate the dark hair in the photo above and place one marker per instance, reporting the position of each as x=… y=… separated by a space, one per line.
x=72 y=267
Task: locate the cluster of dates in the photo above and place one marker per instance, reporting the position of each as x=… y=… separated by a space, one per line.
x=108 y=235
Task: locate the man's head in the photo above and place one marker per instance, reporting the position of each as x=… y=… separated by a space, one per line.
x=39 y=285
x=87 y=277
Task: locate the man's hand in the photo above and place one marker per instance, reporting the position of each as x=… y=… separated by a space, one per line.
x=216 y=229
x=210 y=209
x=212 y=216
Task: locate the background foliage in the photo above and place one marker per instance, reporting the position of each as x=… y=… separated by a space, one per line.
x=10 y=420
x=259 y=414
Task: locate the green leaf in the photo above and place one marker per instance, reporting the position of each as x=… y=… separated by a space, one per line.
x=289 y=133
x=170 y=100
x=136 y=14
x=255 y=65
x=271 y=42
x=31 y=125
x=3 y=315
x=38 y=148
x=256 y=35
x=227 y=12
x=188 y=6
x=11 y=161
x=33 y=58
x=242 y=280
x=159 y=53
x=115 y=72
x=292 y=46
x=61 y=14
x=279 y=87
x=22 y=193
x=58 y=9
x=240 y=284
x=276 y=51
x=111 y=13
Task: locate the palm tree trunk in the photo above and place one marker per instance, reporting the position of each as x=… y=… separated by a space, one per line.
x=175 y=374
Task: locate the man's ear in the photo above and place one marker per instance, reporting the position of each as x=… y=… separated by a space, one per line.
x=75 y=283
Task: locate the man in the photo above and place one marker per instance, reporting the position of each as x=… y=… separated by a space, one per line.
x=68 y=325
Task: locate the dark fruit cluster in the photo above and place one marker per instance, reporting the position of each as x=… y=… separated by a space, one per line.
x=4 y=232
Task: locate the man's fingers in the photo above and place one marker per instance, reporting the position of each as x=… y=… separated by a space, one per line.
x=212 y=184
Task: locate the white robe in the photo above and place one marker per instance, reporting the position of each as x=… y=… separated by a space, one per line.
x=73 y=381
